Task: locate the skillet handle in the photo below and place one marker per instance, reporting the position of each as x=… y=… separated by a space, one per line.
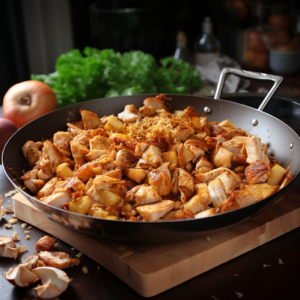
x=251 y=75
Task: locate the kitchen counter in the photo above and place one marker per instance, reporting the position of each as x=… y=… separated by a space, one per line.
x=245 y=274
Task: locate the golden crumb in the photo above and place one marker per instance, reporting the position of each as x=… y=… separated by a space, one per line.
x=27 y=237
x=15 y=236
x=29 y=227
x=7 y=226
x=265 y=266
x=85 y=270
x=280 y=261
x=24 y=225
x=56 y=245
x=9 y=210
x=12 y=221
x=22 y=249
x=27 y=231
x=79 y=255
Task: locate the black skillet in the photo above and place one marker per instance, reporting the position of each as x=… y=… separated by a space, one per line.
x=282 y=142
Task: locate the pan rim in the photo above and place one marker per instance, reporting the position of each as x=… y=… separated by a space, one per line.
x=144 y=95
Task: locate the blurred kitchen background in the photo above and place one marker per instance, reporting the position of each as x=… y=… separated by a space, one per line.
x=256 y=35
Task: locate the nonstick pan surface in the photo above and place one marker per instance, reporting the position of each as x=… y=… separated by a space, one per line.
x=273 y=132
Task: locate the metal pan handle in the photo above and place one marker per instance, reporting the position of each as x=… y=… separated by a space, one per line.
x=251 y=75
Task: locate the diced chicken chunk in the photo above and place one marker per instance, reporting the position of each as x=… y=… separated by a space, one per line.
x=183 y=182
x=153 y=212
x=209 y=176
x=59 y=260
x=206 y=213
x=257 y=172
x=54 y=154
x=197 y=146
x=217 y=192
x=181 y=133
x=126 y=159
x=236 y=145
x=146 y=195
x=62 y=141
x=203 y=162
x=48 y=188
x=156 y=103
x=222 y=157
x=184 y=154
x=200 y=201
x=45 y=168
x=153 y=155
x=129 y=115
x=95 y=154
x=178 y=215
x=143 y=164
x=32 y=182
x=256 y=150
x=58 y=199
x=160 y=179
x=31 y=153
x=147 y=111
x=100 y=143
x=90 y=120
x=79 y=151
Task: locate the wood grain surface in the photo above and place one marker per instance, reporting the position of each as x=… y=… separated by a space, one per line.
x=154 y=268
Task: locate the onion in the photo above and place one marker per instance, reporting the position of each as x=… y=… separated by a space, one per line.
x=7 y=129
x=27 y=100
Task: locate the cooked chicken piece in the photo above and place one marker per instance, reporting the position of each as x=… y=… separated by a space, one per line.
x=40 y=145
x=75 y=130
x=206 y=213
x=203 y=162
x=160 y=179
x=119 y=189
x=147 y=111
x=74 y=184
x=115 y=174
x=153 y=212
x=257 y=172
x=86 y=172
x=222 y=157
x=46 y=243
x=99 y=142
x=156 y=103
x=199 y=202
x=204 y=125
x=153 y=155
x=196 y=145
x=138 y=175
x=216 y=130
x=90 y=119
x=256 y=150
x=48 y=188
x=236 y=145
x=130 y=195
x=126 y=159
x=58 y=199
x=79 y=151
x=129 y=115
x=181 y=133
x=217 y=192
x=140 y=148
x=184 y=154
x=95 y=154
x=160 y=141
x=59 y=260
x=249 y=195
x=54 y=154
x=286 y=179
x=31 y=153
x=183 y=182
x=146 y=195
x=210 y=142
x=178 y=215
x=62 y=141
x=32 y=182
x=143 y=164
x=45 y=168
x=104 y=182
x=190 y=112
x=230 y=180
x=207 y=177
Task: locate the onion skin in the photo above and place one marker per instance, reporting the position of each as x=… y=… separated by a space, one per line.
x=7 y=129
x=28 y=100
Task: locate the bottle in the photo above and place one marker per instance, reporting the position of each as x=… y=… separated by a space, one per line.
x=206 y=47
x=181 y=49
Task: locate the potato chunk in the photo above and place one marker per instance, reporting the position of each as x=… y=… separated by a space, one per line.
x=276 y=176
x=170 y=157
x=227 y=123
x=64 y=171
x=80 y=205
x=137 y=175
x=108 y=198
x=114 y=124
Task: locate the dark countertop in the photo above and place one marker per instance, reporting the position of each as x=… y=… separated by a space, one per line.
x=278 y=281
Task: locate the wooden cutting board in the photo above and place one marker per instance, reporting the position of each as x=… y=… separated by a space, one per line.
x=150 y=269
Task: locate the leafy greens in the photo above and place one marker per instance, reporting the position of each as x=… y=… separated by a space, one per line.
x=106 y=73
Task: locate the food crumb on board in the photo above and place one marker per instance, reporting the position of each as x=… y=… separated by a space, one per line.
x=12 y=221
x=239 y=295
x=72 y=249
x=9 y=210
x=208 y=238
x=22 y=249
x=236 y=274
x=71 y=279
x=26 y=231
x=10 y=193
x=29 y=227
x=15 y=236
x=265 y=266
x=98 y=267
x=24 y=225
x=7 y=226
x=85 y=270
x=214 y=297
x=280 y=261
x=79 y=255
x=27 y=237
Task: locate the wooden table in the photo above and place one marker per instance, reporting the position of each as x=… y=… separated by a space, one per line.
x=245 y=274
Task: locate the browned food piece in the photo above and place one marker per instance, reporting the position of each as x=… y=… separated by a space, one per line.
x=257 y=172
x=183 y=182
x=147 y=111
x=138 y=175
x=157 y=103
x=54 y=154
x=45 y=168
x=79 y=151
x=184 y=154
x=32 y=182
x=196 y=145
x=160 y=179
x=59 y=260
x=153 y=212
x=99 y=142
x=181 y=133
x=178 y=215
x=31 y=153
x=62 y=141
x=146 y=195
x=129 y=115
x=46 y=243
x=90 y=120
x=126 y=159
